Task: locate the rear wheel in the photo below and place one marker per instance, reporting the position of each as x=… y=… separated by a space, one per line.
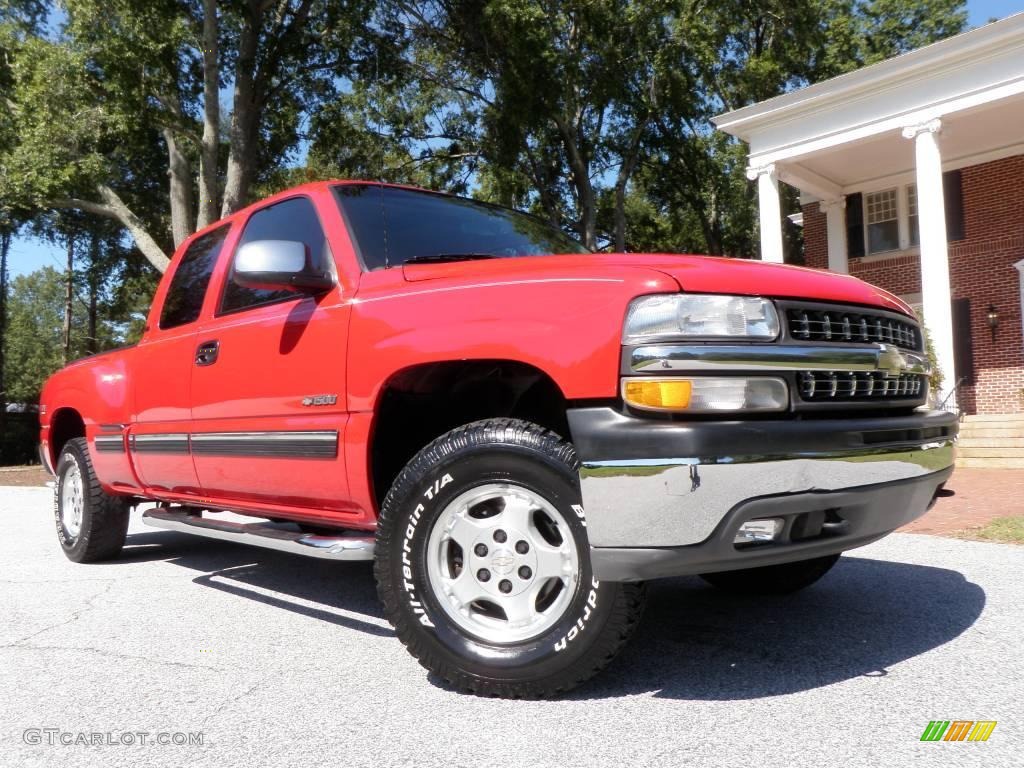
x=91 y=524
x=484 y=570
x=773 y=579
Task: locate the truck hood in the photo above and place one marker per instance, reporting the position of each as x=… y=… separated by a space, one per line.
x=694 y=274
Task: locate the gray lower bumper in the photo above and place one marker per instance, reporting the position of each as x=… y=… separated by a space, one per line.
x=678 y=486
x=815 y=524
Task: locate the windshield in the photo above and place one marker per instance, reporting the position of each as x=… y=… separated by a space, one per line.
x=391 y=226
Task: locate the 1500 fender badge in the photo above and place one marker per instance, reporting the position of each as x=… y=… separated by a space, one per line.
x=320 y=400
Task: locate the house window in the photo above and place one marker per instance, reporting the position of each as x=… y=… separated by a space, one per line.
x=882 y=221
x=888 y=220
x=912 y=226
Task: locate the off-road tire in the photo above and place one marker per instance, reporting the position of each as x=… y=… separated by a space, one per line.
x=104 y=518
x=599 y=618
x=773 y=579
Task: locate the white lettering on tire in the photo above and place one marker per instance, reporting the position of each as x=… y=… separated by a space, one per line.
x=410 y=532
x=581 y=622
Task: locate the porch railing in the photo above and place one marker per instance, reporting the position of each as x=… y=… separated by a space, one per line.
x=954 y=395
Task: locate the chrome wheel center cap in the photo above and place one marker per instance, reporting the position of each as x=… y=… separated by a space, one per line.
x=503 y=562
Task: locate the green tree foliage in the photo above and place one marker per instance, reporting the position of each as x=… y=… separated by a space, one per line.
x=118 y=112
x=35 y=333
x=587 y=111
x=109 y=303
x=581 y=110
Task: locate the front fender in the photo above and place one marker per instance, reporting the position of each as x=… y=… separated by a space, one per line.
x=568 y=325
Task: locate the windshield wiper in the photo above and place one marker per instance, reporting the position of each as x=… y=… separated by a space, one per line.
x=440 y=258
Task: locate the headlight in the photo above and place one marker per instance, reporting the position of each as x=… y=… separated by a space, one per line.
x=698 y=316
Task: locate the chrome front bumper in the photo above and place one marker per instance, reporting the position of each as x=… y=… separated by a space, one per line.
x=672 y=502
x=661 y=484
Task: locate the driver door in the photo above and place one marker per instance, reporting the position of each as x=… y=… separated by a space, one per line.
x=268 y=382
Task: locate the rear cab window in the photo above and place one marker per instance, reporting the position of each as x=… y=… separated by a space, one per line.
x=184 y=299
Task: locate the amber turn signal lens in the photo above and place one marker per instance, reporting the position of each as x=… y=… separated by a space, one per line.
x=707 y=394
x=664 y=393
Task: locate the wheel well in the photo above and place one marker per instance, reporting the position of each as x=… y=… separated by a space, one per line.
x=65 y=425
x=421 y=403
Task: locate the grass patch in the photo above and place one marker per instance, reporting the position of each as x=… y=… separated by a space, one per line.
x=1006 y=530
x=639 y=471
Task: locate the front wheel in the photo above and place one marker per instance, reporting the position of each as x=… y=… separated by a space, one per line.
x=484 y=570
x=773 y=579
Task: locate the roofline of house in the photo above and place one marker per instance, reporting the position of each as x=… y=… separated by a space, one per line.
x=931 y=60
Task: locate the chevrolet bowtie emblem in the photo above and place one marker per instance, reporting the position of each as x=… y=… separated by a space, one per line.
x=890 y=361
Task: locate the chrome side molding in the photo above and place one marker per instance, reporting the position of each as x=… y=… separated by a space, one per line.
x=268 y=536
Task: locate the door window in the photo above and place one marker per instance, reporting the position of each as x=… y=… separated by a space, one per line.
x=184 y=298
x=294 y=219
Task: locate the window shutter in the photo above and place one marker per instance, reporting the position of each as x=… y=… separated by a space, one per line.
x=855 y=226
x=963 y=344
x=953 y=193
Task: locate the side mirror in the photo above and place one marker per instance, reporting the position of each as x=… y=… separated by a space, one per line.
x=279 y=264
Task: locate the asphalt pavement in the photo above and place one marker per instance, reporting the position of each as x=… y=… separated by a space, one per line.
x=275 y=660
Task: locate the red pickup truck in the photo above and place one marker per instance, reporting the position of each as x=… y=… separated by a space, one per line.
x=517 y=432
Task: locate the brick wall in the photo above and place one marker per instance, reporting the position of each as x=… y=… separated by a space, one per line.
x=815 y=237
x=981 y=269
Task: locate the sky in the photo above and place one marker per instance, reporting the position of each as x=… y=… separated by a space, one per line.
x=29 y=254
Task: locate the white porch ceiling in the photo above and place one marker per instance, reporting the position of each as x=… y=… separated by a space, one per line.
x=966 y=138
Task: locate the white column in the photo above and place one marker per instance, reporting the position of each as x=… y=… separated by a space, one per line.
x=771 y=212
x=835 y=223
x=931 y=209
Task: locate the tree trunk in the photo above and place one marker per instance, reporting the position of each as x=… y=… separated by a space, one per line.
x=548 y=199
x=92 y=343
x=209 y=151
x=180 y=176
x=5 y=247
x=585 y=198
x=241 y=154
x=588 y=215
x=626 y=168
x=620 y=218
x=69 y=294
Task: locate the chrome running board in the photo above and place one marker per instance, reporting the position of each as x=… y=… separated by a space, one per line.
x=341 y=547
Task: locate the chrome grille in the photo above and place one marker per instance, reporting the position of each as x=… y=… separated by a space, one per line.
x=841 y=325
x=833 y=386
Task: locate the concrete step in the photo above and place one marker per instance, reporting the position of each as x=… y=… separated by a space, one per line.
x=990 y=452
x=995 y=417
x=991 y=442
x=994 y=432
x=990 y=463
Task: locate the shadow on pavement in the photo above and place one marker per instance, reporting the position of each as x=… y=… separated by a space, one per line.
x=695 y=642
x=306 y=586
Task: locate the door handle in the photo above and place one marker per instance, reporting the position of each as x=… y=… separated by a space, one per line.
x=206 y=354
